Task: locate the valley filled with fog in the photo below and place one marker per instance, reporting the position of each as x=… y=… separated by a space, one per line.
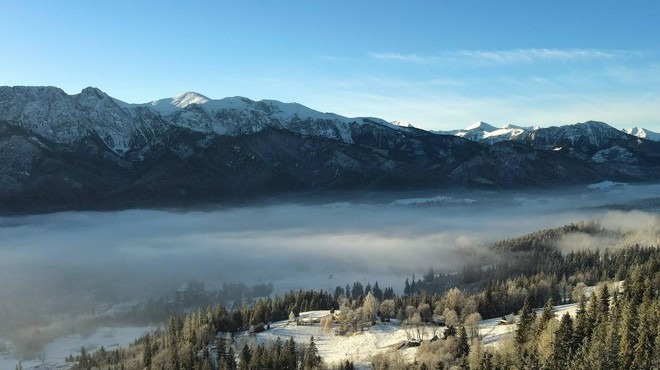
x=62 y=266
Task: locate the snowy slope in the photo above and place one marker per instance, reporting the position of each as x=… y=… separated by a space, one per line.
x=593 y=133
x=47 y=111
x=380 y=338
x=359 y=347
x=62 y=118
x=590 y=135
x=643 y=133
x=487 y=133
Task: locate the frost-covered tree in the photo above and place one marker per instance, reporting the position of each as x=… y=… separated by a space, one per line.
x=472 y=324
x=369 y=308
x=387 y=309
x=451 y=318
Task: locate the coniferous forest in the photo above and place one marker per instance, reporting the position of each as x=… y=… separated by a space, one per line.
x=616 y=325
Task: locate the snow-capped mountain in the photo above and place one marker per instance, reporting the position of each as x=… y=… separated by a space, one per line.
x=489 y=134
x=591 y=134
x=51 y=113
x=595 y=141
x=60 y=151
x=643 y=133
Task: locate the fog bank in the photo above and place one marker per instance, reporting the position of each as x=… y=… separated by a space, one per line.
x=137 y=253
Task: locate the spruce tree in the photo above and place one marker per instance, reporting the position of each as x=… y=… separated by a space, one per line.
x=245 y=357
x=312 y=358
x=463 y=347
x=289 y=359
x=524 y=324
x=563 y=342
x=147 y=352
x=604 y=302
x=643 y=349
x=628 y=331
x=582 y=325
x=547 y=315
x=231 y=359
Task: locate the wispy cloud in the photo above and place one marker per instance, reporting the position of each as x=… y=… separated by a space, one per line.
x=504 y=56
x=533 y=55
x=413 y=58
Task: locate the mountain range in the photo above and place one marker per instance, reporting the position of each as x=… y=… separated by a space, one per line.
x=89 y=150
x=486 y=133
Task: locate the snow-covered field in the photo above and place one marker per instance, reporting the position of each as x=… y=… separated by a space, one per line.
x=56 y=352
x=358 y=347
x=380 y=338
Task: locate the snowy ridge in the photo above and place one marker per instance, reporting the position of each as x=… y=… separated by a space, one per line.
x=480 y=126
x=487 y=133
x=643 y=133
x=62 y=118
x=47 y=111
x=586 y=134
x=133 y=129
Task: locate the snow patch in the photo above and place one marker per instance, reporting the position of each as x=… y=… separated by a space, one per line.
x=606 y=185
x=615 y=154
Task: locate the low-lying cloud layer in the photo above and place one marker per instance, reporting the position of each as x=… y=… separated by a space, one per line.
x=140 y=253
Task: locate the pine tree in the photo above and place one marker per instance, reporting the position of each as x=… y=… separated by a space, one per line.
x=84 y=361
x=628 y=330
x=463 y=347
x=487 y=362
x=604 y=303
x=378 y=293
x=546 y=316
x=231 y=359
x=582 y=325
x=524 y=324
x=563 y=342
x=276 y=351
x=312 y=358
x=245 y=357
x=257 y=362
x=612 y=343
x=147 y=352
x=289 y=359
x=644 y=348
x=221 y=355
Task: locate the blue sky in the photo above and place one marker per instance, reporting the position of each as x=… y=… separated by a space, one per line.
x=435 y=64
